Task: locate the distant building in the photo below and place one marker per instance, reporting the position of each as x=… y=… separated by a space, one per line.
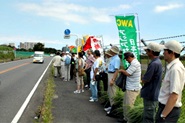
x=12 y=44
x=21 y=46
x=28 y=45
x=66 y=48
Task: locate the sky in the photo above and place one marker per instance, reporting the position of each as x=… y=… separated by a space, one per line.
x=45 y=20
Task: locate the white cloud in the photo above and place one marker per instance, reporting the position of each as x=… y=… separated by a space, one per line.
x=70 y=12
x=163 y=8
x=124 y=6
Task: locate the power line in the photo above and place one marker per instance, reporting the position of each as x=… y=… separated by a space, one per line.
x=177 y=36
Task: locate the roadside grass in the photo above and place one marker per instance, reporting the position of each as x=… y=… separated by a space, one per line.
x=46 y=115
x=136 y=113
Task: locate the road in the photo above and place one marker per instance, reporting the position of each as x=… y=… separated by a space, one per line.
x=17 y=80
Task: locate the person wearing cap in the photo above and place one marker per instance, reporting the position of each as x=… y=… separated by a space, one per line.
x=170 y=95
x=104 y=77
x=104 y=74
x=151 y=82
x=133 y=86
x=113 y=67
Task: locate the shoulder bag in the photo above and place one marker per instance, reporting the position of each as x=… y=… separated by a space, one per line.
x=121 y=81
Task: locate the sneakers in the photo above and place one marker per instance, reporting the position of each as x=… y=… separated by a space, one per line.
x=107 y=109
x=93 y=100
x=86 y=86
x=82 y=91
x=77 y=91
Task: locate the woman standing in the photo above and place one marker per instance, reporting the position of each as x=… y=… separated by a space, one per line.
x=80 y=82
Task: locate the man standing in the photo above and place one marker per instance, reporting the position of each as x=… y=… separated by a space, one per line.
x=72 y=68
x=133 y=85
x=67 y=61
x=171 y=91
x=152 y=82
x=113 y=69
x=57 y=64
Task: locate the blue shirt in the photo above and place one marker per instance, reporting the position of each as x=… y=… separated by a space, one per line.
x=153 y=76
x=114 y=63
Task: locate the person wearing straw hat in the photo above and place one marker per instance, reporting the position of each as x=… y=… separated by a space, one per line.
x=104 y=76
x=103 y=73
x=113 y=68
x=170 y=96
x=151 y=82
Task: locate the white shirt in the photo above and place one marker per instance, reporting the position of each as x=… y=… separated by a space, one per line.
x=133 y=81
x=173 y=82
x=97 y=64
x=57 y=60
x=62 y=62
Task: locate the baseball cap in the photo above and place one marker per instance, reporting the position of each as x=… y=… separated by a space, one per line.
x=174 y=46
x=153 y=46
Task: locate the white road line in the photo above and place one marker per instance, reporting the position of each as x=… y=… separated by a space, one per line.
x=23 y=107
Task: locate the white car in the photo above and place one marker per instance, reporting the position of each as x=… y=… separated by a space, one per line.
x=51 y=55
x=38 y=57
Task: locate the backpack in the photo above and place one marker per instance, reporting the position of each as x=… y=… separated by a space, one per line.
x=67 y=60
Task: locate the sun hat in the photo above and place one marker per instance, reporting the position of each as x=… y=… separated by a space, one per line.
x=153 y=46
x=174 y=46
x=108 y=52
x=115 y=49
x=128 y=54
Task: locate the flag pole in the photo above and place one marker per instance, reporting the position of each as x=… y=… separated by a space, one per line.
x=138 y=31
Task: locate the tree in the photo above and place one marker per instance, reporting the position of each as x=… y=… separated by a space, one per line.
x=38 y=47
x=50 y=50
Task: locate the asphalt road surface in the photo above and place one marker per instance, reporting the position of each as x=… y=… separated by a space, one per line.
x=17 y=80
x=76 y=108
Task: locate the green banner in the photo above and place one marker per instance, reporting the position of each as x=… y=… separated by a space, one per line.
x=127 y=36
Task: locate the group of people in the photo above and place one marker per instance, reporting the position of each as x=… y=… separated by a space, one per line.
x=64 y=65
x=164 y=95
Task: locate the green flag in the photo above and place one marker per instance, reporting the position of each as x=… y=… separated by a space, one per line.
x=127 y=36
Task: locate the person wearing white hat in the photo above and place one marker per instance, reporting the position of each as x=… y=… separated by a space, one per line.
x=151 y=82
x=170 y=95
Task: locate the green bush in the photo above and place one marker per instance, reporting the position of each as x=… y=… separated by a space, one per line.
x=135 y=114
x=6 y=53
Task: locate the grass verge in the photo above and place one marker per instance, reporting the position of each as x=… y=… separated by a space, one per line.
x=46 y=109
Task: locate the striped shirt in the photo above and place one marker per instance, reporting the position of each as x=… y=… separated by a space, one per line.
x=133 y=81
